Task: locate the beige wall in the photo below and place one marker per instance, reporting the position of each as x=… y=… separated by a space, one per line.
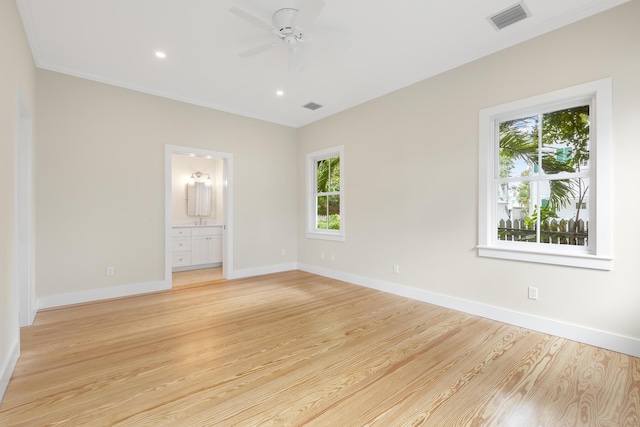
x=411 y=176
x=100 y=170
x=17 y=73
x=182 y=166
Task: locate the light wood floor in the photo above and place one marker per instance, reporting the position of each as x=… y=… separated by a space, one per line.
x=191 y=277
x=298 y=349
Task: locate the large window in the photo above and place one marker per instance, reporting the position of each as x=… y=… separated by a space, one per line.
x=325 y=194
x=545 y=177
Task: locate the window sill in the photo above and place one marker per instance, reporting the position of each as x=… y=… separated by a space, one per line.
x=580 y=260
x=325 y=236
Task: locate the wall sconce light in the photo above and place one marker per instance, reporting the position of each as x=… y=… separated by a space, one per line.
x=198 y=175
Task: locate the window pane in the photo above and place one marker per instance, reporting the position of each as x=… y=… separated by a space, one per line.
x=560 y=207
x=572 y=216
x=518 y=147
x=328 y=175
x=322 y=212
x=334 y=212
x=334 y=176
x=322 y=171
x=514 y=204
x=565 y=140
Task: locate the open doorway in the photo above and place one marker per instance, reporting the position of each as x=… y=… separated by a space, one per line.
x=198 y=215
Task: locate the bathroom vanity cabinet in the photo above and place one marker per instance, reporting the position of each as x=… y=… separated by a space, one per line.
x=196 y=247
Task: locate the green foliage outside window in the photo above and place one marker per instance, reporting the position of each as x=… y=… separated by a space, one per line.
x=328 y=194
x=564 y=148
x=540 y=161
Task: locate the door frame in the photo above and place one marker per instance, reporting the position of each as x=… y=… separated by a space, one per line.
x=227 y=206
x=23 y=214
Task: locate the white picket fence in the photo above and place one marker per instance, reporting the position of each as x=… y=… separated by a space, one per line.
x=560 y=232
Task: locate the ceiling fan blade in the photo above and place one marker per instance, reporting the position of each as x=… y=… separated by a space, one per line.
x=252 y=19
x=258 y=50
x=297 y=60
x=308 y=12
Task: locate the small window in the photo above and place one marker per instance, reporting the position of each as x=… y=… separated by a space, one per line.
x=325 y=194
x=544 y=178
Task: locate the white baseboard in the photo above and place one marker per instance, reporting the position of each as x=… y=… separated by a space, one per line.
x=102 y=294
x=258 y=271
x=619 y=343
x=142 y=288
x=7 y=367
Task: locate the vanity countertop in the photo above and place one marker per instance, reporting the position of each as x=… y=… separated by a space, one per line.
x=194 y=225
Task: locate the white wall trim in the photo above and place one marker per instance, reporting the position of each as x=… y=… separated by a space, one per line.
x=93 y=295
x=268 y=269
x=311 y=178
x=598 y=254
x=7 y=367
x=227 y=227
x=100 y=294
x=24 y=241
x=607 y=340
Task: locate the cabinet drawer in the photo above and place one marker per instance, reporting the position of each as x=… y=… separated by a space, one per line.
x=181 y=232
x=181 y=244
x=206 y=231
x=181 y=259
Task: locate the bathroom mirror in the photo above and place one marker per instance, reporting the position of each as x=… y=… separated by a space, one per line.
x=199 y=199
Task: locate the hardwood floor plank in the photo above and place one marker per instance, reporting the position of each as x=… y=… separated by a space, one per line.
x=295 y=349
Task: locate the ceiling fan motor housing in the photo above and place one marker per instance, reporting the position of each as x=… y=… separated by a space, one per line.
x=283 y=20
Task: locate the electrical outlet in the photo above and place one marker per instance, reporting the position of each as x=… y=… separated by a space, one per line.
x=283 y=252
x=396 y=269
x=321 y=255
x=533 y=292
x=110 y=271
x=333 y=257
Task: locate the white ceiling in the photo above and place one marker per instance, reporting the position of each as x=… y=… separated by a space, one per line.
x=391 y=44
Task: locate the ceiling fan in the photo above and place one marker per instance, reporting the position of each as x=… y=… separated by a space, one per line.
x=288 y=26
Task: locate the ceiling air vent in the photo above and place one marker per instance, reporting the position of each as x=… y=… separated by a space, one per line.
x=509 y=16
x=312 y=106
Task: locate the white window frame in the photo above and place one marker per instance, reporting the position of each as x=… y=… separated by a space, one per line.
x=598 y=255
x=312 y=231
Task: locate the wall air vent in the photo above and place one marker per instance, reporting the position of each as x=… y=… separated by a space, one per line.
x=312 y=106
x=509 y=16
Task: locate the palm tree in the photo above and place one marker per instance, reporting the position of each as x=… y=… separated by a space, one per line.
x=328 y=178
x=569 y=128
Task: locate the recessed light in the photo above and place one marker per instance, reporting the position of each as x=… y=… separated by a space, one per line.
x=161 y=54
x=280 y=93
